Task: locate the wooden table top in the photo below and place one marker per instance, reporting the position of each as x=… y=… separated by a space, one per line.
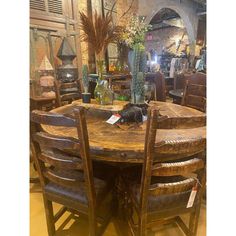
x=115 y=144
x=115 y=107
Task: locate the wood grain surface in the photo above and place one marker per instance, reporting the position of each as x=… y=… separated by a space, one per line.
x=116 y=106
x=113 y=144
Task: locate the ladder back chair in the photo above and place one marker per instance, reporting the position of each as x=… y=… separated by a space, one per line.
x=179 y=80
x=164 y=190
x=67 y=178
x=67 y=92
x=158 y=80
x=121 y=87
x=194 y=96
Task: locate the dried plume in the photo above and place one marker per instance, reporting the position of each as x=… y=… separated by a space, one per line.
x=99 y=31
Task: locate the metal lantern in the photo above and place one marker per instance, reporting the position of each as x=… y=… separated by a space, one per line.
x=67 y=72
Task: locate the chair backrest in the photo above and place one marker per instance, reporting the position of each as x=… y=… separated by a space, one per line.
x=193 y=78
x=197 y=78
x=53 y=163
x=159 y=82
x=67 y=91
x=194 y=96
x=121 y=86
x=179 y=81
x=175 y=176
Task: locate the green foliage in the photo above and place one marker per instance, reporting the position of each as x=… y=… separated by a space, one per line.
x=85 y=78
x=143 y=61
x=140 y=84
x=138 y=64
x=135 y=31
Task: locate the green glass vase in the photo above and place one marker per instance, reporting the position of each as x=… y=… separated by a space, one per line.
x=102 y=93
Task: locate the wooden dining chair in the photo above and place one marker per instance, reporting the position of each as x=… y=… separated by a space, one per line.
x=121 y=85
x=158 y=80
x=163 y=192
x=193 y=78
x=179 y=80
x=67 y=92
x=67 y=177
x=197 y=78
x=194 y=96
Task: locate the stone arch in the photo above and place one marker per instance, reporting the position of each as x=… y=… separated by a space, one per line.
x=191 y=31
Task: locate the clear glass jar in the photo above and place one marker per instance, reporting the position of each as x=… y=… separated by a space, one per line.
x=102 y=93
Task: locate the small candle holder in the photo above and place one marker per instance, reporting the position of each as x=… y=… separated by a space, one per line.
x=86 y=97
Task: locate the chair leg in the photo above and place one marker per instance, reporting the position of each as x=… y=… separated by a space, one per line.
x=193 y=221
x=142 y=227
x=92 y=226
x=49 y=217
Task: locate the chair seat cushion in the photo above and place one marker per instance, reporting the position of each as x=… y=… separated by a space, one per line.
x=77 y=194
x=162 y=202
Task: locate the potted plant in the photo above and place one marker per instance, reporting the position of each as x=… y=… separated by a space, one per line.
x=86 y=96
x=134 y=36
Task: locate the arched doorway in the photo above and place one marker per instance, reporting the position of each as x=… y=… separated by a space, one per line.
x=169 y=39
x=168 y=32
x=189 y=23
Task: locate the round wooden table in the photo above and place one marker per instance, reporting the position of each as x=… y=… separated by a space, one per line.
x=115 y=143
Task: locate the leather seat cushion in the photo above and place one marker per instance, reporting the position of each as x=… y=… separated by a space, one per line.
x=77 y=194
x=162 y=202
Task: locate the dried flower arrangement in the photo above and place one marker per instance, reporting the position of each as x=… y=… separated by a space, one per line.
x=99 y=31
x=135 y=31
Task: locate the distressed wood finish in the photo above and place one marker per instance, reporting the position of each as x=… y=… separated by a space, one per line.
x=121 y=87
x=67 y=179
x=111 y=143
x=194 y=96
x=177 y=168
x=115 y=107
x=156 y=199
x=159 y=81
x=179 y=117
x=41 y=103
x=62 y=93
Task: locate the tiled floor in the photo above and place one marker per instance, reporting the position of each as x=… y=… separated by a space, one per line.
x=79 y=228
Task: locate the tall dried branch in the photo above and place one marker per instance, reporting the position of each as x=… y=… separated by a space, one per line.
x=99 y=31
x=126 y=12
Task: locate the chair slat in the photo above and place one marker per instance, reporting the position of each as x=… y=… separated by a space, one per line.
x=69 y=96
x=195 y=102
x=67 y=91
x=68 y=85
x=65 y=179
x=53 y=141
x=194 y=96
x=48 y=118
x=177 y=168
x=197 y=90
x=172 y=188
x=59 y=159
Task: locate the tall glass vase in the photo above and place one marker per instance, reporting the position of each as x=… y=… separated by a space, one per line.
x=102 y=93
x=99 y=87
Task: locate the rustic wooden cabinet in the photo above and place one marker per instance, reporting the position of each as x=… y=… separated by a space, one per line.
x=50 y=21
